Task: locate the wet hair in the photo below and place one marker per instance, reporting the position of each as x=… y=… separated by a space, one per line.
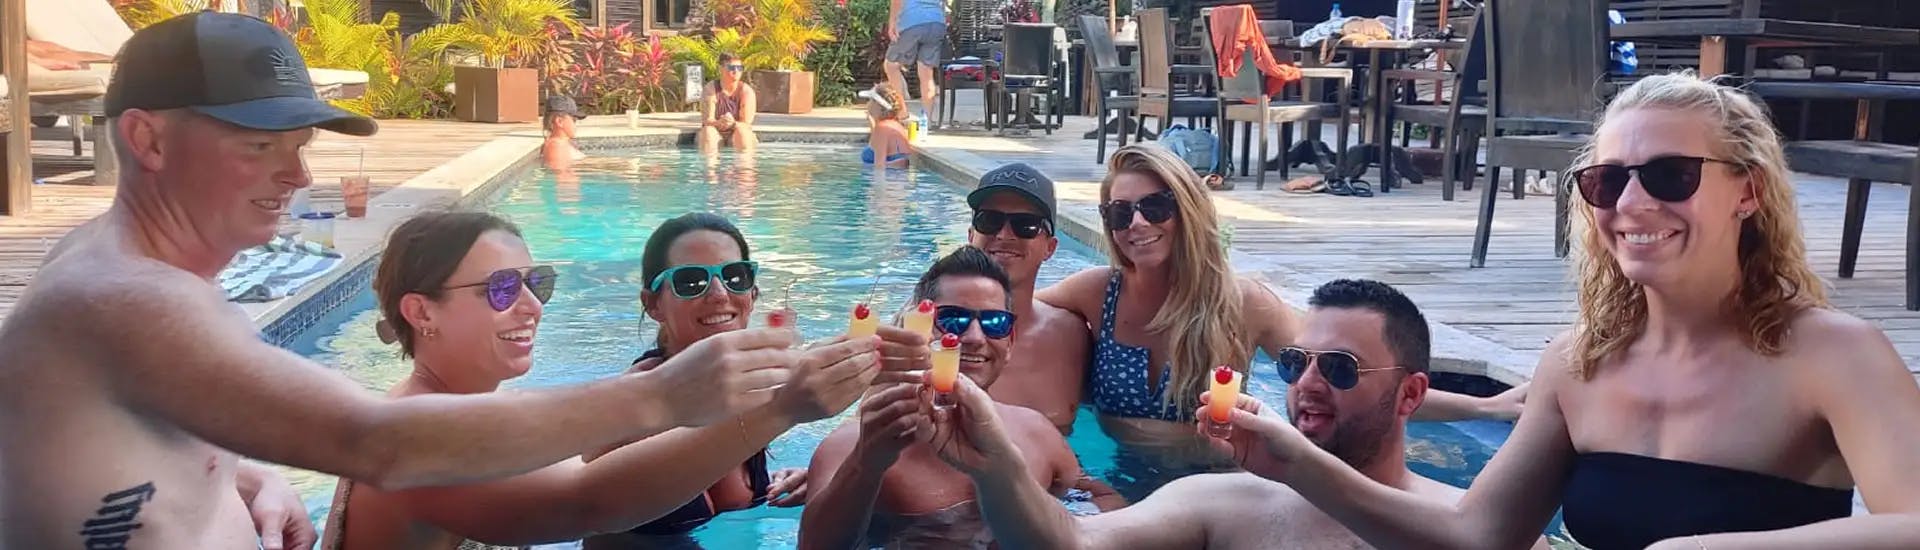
x=1775 y=282
x=1403 y=327
x=653 y=261
x=420 y=256
x=965 y=261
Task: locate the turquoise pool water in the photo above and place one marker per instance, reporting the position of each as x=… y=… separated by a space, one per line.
x=815 y=217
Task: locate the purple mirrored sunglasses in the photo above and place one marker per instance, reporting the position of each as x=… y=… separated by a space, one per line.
x=503 y=286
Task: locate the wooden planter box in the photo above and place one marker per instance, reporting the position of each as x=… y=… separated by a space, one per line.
x=486 y=94
x=784 y=92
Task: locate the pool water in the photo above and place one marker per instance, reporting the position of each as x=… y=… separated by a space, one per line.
x=816 y=219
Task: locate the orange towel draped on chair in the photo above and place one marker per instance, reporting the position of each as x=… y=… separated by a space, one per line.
x=1236 y=29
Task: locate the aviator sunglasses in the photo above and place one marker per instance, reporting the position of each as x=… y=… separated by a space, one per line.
x=503 y=286
x=693 y=280
x=1341 y=369
x=1669 y=179
x=1025 y=226
x=996 y=324
x=1156 y=208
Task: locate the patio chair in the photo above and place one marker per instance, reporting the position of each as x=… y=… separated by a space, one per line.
x=970 y=46
x=1547 y=65
x=1244 y=99
x=1158 y=97
x=1463 y=114
x=1113 y=82
x=1031 y=65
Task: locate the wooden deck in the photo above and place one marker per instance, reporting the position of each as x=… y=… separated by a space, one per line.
x=1412 y=239
x=401 y=150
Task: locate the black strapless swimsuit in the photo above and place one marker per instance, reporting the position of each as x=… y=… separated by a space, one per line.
x=1618 y=501
x=699 y=511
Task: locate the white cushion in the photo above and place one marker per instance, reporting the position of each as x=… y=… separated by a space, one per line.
x=335 y=77
x=84 y=25
x=43 y=82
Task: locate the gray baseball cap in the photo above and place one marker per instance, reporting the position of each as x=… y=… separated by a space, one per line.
x=234 y=68
x=1019 y=178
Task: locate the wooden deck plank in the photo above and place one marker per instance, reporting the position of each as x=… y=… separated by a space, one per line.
x=401 y=150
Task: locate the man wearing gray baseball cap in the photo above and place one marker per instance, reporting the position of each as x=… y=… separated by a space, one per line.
x=129 y=387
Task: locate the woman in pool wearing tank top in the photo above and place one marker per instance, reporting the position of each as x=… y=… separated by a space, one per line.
x=1707 y=397
x=1169 y=309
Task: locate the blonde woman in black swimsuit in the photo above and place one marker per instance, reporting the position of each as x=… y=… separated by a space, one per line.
x=727 y=112
x=1708 y=396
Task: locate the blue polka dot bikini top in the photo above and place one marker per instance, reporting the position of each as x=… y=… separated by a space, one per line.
x=1119 y=371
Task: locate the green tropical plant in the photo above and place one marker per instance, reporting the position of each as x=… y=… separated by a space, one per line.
x=502 y=33
x=140 y=13
x=402 y=82
x=614 y=70
x=706 y=51
x=840 y=66
x=786 y=33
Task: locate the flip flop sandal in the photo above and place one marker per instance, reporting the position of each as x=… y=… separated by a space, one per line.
x=1306 y=185
x=1218 y=182
x=1360 y=189
x=1339 y=188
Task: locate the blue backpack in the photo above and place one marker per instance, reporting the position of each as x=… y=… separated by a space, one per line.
x=1197 y=147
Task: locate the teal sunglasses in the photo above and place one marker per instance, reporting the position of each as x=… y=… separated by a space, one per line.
x=693 y=280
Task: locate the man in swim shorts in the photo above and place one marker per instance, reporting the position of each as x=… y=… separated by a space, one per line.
x=1358 y=373
x=129 y=386
x=872 y=481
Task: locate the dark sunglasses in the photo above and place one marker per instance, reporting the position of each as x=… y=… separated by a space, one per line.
x=1025 y=226
x=693 y=280
x=1669 y=179
x=996 y=324
x=1341 y=369
x=1156 y=208
x=503 y=286
x=736 y=67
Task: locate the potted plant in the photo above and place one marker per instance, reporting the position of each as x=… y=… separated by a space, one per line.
x=501 y=39
x=782 y=38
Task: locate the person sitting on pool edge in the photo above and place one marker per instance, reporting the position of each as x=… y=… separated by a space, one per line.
x=1353 y=383
x=886 y=118
x=875 y=484
x=702 y=281
x=462 y=296
x=559 y=151
x=726 y=113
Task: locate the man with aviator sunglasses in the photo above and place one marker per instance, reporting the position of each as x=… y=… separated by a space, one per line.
x=1356 y=376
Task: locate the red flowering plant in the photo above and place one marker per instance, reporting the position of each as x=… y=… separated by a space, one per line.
x=611 y=70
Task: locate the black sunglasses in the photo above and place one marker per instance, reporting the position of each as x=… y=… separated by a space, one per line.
x=1156 y=208
x=996 y=324
x=1025 y=226
x=1341 y=369
x=736 y=67
x=1669 y=179
x=693 y=280
x=503 y=286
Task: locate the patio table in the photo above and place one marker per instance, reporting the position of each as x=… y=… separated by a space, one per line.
x=1380 y=128
x=1726 y=44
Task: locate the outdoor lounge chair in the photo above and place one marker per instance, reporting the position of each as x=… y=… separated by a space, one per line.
x=94 y=26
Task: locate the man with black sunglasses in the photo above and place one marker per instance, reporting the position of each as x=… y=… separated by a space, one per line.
x=1357 y=373
x=1013 y=221
x=874 y=483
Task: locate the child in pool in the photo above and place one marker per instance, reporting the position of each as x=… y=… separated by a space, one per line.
x=886 y=116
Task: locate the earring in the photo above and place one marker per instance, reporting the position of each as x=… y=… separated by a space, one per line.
x=429 y=332
x=1745 y=213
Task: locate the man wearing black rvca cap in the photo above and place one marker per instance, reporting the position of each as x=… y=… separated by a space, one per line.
x=129 y=387
x=1013 y=220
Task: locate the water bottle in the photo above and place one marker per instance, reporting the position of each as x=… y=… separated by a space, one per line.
x=1403 y=20
x=919 y=126
x=1335 y=14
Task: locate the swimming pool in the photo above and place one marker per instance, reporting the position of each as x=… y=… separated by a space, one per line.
x=816 y=218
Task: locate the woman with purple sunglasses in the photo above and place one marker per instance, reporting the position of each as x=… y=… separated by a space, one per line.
x=463 y=297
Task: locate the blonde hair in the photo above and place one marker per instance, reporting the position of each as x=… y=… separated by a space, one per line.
x=1775 y=282
x=894 y=98
x=1201 y=316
